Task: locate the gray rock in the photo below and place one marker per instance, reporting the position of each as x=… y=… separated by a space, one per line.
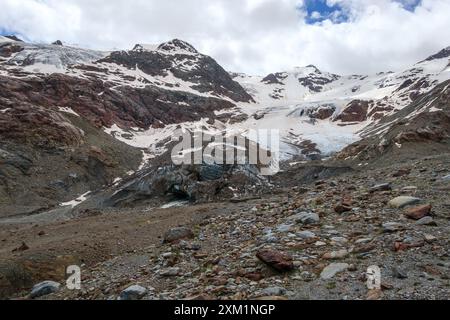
x=176 y=234
x=306 y=218
x=399 y=273
x=274 y=291
x=170 y=272
x=284 y=228
x=446 y=178
x=403 y=201
x=44 y=288
x=381 y=187
x=426 y=221
x=134 y=292
x=306 y=234
x=392 y=227
x=330 y=271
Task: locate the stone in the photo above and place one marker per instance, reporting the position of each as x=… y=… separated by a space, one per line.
x=403 y=201
x=44 y=288
x=340 y=254
x=409 y=189
x=374 y=294
x=283 y=228
x=280 y=261
x=274 y=291
x=364 y=248
x=134 y=292
x=331 y=270
x=306 y=234
x=418 y=213
x=381 y=187
x=170 y=272
x=402 y=246
x=392 y=227
x=401 y=173
x=306 y=218
x=426 y=221
x=23 y=247
x=399 y=273
x=446 y=178
x=429 y=238
x=341 y=208
x=176 y=234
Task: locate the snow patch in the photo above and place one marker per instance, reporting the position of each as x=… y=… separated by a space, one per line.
x=76 y=201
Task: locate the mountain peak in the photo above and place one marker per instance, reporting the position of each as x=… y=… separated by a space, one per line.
x=177 y=45
x=444 y=53
x=10 y=38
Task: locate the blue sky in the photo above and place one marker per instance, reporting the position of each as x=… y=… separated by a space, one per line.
x=319 y=10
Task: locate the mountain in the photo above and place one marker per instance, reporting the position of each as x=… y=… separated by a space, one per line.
x=86 y=175
x=62 y=108
x=103 y=115
x=327 y=112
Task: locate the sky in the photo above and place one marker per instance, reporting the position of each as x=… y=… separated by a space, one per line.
x=251 y=36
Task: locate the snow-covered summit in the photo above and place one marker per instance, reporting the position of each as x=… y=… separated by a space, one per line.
x=175 y=46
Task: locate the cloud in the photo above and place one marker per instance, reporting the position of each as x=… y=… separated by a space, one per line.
x=253 y=36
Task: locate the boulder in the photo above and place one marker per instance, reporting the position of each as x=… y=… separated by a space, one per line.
x=44 y=288
x=176 y=234
x=134 y=292
x=381 y=187
x=280 y=261
x=418 y=213
x=306 y=218
x=331 y=270
x=403 y=201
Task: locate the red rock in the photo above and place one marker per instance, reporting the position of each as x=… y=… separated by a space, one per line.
x=418 y=213
x=280 y=261
x=400 y=246
x=355 y=111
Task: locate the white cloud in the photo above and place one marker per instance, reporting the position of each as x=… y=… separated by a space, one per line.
x=254 y=36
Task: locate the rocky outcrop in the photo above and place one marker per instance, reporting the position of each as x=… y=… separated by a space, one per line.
x=423 y=125
x=104 y=106
x=195 y=183
x=355 y=111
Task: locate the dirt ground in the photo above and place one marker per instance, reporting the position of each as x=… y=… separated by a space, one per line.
x=118 y=248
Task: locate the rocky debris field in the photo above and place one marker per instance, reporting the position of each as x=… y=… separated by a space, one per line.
x=309 y=241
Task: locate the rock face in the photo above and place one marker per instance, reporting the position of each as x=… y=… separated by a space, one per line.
x=280 y=261
x=195 y=183
x=424 y=123
x=355 y=111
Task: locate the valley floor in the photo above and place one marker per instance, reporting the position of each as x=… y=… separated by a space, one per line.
x=117 y=249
